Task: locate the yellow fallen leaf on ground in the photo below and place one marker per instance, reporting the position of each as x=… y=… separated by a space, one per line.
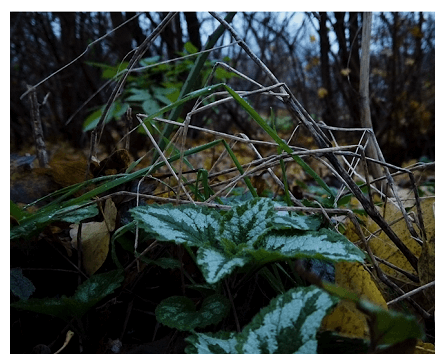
x=95 y=239
x=384 y=248
x=424 y=348
x=426 y=262
x=345 y=319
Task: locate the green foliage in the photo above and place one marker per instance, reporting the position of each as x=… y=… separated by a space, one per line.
x=390 y=327
x=32 y=223
x=179 y=312
x=116 y=110
x=272 y=133
x=386 y=327
x=247 y=237
x=156 y=85
x=288 y=324
x=251 y=237
x=17 y=212
x=87 y=295
x=250 y=233
x=20 y=285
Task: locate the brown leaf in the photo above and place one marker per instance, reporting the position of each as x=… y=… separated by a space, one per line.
x=118 y=162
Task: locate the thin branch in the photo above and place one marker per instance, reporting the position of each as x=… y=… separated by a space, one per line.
x=412 y=292
x=37 y=128
x=299 y=112
x=73 y=61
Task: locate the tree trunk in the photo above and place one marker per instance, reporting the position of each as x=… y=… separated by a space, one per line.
x=328 y=116
x=366 y=119
x=193 y=29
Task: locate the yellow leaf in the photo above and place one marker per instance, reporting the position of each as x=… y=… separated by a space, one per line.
x=384 y=248
x=95 y=239
x=345 y=72
x=110 y=214
x=345 y=318
x=409 y=61
x=322 y=92
x=424 y=348
x=426 y=262
x=346 y=321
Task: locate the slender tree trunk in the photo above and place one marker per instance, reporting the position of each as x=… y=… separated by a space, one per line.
x=366 y=119
x=354 y=65
x=328 y=116
x=193 y=29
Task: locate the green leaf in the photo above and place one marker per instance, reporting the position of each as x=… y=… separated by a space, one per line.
x=87 y=295
x=222 y=74
x=216 y=264
x=138 y=95
x=297 y=222
x=190 y=48
x=116 y=110
x=216 y=343
x=387 y=327
x=17 y=212
x=91 y=121
x=99 y=286
x=74 y=214
x=20 y=285
x=163 y=94
x=251 y=232
x=33 y=223
x=288 y=324
x=179 y=312
x=60 y=308
x=390 y=327
x=149 y=61
x=323 y=244
x=246 y=222
x=109 y=71
x=150 y=106
x=184 y=225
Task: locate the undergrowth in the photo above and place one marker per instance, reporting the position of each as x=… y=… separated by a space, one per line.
x=219 y=241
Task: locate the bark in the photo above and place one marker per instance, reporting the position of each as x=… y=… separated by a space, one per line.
x=122 y=37
x=330 y=111
x=193 y=26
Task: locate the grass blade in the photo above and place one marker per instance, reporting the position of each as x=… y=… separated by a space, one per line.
x=245 y=105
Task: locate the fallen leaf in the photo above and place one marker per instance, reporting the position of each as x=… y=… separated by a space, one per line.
x=384 y=248
x=117 y=162
x=426 y=262
x=95 y=239
x=346 y=319
x=110 y=214
x=424 y=348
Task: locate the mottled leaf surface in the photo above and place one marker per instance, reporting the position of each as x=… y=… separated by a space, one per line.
x=251 y=232
x=287 y=325
x=186 y=224
x=323 y=244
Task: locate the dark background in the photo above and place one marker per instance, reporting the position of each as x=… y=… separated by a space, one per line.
x=310 y=52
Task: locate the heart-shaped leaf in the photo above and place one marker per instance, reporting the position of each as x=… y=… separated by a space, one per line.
x=179 y=312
